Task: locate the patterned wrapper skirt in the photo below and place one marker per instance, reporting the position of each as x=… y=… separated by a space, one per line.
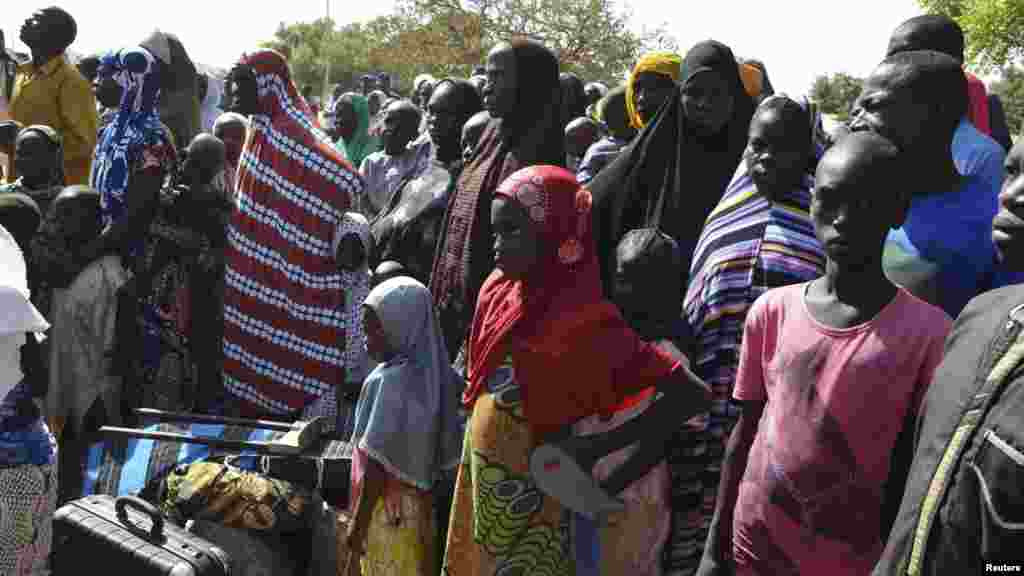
x=500 y=521
x=28 y=499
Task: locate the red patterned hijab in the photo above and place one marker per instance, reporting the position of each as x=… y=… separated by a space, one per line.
x=569 y=346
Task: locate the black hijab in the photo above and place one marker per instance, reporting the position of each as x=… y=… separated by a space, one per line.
x=673 y=174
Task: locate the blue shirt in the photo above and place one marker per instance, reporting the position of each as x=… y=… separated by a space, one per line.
x=943 y=253
x=975 y=154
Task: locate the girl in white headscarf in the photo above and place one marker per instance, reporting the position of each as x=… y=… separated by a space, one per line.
x=352 y=247
x=28 y=452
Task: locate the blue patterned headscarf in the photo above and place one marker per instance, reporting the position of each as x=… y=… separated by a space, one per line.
x=136 y=124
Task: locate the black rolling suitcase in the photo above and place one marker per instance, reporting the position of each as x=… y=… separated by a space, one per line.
x=128 y=535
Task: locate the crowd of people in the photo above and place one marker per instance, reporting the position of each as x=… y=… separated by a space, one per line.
x=792 y=349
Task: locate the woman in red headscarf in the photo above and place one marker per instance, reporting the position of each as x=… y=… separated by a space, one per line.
x=284 y=313
x=545 y=350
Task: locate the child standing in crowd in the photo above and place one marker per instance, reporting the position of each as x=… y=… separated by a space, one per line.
x=632 y=542
x=838 y=366
x=545 y=351
x=406 y=432
x=353 y=246
x=760 y=236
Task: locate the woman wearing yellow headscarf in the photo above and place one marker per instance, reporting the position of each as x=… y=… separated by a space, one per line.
x=650 y=83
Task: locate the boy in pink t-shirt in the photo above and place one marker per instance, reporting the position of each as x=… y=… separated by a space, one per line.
x=830 y=379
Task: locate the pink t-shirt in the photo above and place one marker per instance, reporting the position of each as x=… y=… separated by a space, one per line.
x=811 y=496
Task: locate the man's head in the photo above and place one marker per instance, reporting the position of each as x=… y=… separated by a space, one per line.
x=346 y=121
x=1008 y=225
x=401 y=125
x=49 y=31
x=858 y=197
x=647 y=287
x=471 y=132
x=204 y=160
x=916 y=100
x=450 y=106
x=928 y=32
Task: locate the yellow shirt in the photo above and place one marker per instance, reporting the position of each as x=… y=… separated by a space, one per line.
x=56 y=95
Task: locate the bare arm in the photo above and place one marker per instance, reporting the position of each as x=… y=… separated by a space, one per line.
x=718 y=549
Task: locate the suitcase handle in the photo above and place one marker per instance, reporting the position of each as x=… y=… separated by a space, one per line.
x=122 y=504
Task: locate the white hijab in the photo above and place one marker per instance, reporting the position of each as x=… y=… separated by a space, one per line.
x=17 y=314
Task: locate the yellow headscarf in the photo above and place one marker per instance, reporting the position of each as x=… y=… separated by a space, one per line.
x=665 y=63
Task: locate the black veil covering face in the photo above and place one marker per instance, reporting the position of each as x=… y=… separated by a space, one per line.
x=674 y=172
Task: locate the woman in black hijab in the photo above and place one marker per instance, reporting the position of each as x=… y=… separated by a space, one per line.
x=675 y=171
x=523 y=97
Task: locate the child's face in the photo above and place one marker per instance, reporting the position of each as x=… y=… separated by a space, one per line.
x=1008 y=225
x=851 y=209
x=233 y=136
x=516 y=239
x=351 y=254
x=34 y=159
x=772 y=158
x=377 y=345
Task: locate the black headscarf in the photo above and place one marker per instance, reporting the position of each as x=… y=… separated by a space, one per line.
x=673 y=174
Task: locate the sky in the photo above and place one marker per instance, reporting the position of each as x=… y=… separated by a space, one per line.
x=796 y=39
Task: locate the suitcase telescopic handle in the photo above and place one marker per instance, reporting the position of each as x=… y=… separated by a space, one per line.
x=122 y=504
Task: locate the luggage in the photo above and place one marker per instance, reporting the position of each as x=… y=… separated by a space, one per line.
x=128 y=535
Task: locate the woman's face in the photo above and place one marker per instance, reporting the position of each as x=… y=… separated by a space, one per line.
x=108 y=91
x=707 y=100
x=377 y=345
x=501 y=92
x=351 y=254
x=516 y=238
x=34 y=159
x=649 y=92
